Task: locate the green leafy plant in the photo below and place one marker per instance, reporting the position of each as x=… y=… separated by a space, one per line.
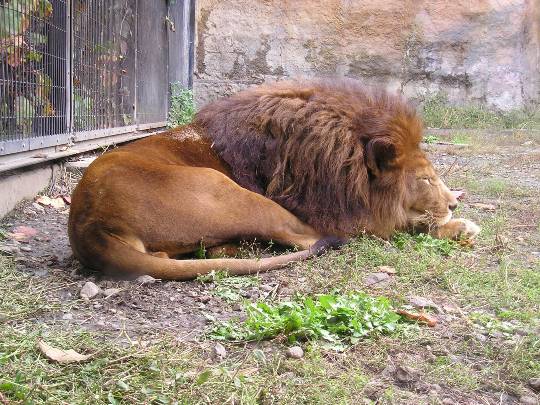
x=431 y=139
x=182 y=108
x=425 y=243
x=335 y=318
x=228 y=288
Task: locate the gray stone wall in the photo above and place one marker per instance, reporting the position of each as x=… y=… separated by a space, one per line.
x=479 y=51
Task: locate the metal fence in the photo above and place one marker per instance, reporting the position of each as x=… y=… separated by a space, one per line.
x=73 y=70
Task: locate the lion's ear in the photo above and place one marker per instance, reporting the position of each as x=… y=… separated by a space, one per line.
x=379 y=154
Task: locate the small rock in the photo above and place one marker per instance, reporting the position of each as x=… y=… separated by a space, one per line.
x=266 y=287
x=89 y=290
x=9 y=250
x=535 y=383
x=109 y=292
x=67 y=316
x=405 y=374
x=448 y=401
x=237 y=307
x=295 y=352
x=480 y=337
x=376 y=278
x=436 y=387
x=528 y=400
x=219 y=351
x=386 y=269
x=146 y=279
x=286 y=292
x=204 y=298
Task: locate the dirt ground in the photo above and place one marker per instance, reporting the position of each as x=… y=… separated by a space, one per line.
x=502 y=172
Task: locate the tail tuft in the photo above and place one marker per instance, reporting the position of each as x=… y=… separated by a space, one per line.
x=325 y=244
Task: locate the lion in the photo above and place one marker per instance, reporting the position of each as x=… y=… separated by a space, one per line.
x=306 y=164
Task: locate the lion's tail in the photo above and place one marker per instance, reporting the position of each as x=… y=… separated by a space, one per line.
x=123 y=258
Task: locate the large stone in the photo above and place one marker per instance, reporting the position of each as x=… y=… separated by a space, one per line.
x=465 y=49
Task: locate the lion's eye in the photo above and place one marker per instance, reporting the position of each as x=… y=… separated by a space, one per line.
x=427 y=180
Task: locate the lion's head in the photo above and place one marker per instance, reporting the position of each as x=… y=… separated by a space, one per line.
x=343 y=158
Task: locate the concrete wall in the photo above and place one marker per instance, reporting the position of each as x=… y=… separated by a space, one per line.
x=23 y=183
x=483 y=51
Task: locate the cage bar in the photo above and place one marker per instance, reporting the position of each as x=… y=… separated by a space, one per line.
x=73 y=70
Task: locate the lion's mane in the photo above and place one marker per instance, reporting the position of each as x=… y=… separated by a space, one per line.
x=332 y=152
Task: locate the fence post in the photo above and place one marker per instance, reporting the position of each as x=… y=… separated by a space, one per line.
x=69 y=69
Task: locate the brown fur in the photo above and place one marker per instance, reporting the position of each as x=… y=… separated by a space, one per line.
x=340 y=159
x=318 y=149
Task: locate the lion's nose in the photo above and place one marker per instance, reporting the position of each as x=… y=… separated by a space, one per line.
x=452 y=207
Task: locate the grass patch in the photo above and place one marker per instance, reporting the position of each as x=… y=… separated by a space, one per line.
x=226 y=287
x=167 y=372
x=182 y=108
x=424 y=243
x=453 y=374
x=337 y=319
x=438 y=113
x=511 y=290
x=19 y=297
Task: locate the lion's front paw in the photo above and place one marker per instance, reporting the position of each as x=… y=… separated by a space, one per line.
x=459 y=228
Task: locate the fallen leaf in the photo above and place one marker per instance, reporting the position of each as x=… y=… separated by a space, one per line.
x=40 y=156
x=420 y=317
x=43 y=200
x=62 y=356
x=458 y=194
x=466 y=243
x=482 y=206
x=23 y=232
x=57 y=203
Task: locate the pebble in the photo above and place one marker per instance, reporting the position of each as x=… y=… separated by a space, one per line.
x=67 y=316
x=219 y=351
x=436 y=387
x=111 y=291
x=535 y=383
x=145 y=279
x=295 y=352
x=9 y=250
x=205 y=298
x=448 y=401
x=89 y=290
x=26 y=249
